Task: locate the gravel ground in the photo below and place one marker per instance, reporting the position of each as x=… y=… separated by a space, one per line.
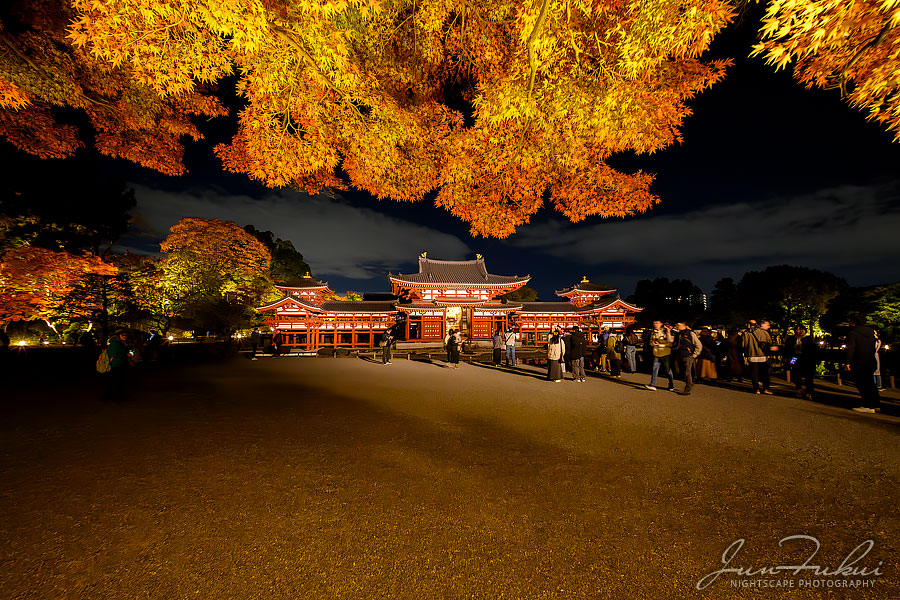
x=344 y=478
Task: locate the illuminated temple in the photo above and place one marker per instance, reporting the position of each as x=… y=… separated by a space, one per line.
x=443 y=295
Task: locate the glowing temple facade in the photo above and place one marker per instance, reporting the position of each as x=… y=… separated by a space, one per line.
x=443 y=295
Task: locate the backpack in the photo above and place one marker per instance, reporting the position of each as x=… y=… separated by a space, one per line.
x=103 y=365
x=619 y=346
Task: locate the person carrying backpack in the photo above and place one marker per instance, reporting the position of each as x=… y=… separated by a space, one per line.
x=687 y=348
x=119 y=365
x=615 y=346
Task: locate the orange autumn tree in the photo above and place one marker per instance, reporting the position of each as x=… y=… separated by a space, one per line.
x=34 y=282
x=850 y=46
x=208 y=260
x=383 y=90
x=53 y=93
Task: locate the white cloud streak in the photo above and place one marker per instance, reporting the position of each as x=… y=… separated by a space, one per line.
x=853 y=231
x=335 y=237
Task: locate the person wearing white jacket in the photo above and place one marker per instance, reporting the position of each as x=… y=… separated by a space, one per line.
x=555 y=352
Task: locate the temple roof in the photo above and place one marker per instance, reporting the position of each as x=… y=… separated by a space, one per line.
x=586 y=286
x=288 y=300
x=457 y=272
x=303 y=282
x=568 y=307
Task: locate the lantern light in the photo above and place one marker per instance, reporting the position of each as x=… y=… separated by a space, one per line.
x=22 y=342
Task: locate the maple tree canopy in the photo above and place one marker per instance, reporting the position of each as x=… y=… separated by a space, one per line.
x=35 y=281
x=851 y=46
x=497 y=105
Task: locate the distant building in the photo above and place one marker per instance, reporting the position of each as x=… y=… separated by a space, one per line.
x=443 y=295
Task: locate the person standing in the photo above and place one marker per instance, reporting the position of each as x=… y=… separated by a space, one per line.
x=453 y=341
x=602 y=344
x=510 y=340
x=706 y=362
x=276 y=344
x=119 y=363
x=555 y=352
x=734 y=356
x=386 y=340
x=802 y=360
x=879 y=383
x=615 y=345
x=254 y=343
x=860 y=359
x=661 y=340
x=498 y=347
x=577 y=350
x=757 y=344
x=687 y=347
x=631 y=343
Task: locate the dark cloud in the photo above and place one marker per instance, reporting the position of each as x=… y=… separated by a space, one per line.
x=848 y=230
x=335 y=237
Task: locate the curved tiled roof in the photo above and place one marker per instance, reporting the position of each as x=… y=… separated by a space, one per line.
x=586 y=287
x=459 y=272
x=289 y=299
x=303 y=282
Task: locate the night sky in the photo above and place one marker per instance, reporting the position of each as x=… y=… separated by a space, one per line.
x=768 y=173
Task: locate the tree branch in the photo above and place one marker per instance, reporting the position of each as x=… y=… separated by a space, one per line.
x=542 y=16
x=842 y=78
x=284 y=35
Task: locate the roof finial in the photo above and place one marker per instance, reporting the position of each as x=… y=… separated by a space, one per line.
x=478 y=257
x=423 y=255
x=584 y=279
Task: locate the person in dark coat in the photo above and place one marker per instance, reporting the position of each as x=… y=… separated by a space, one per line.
x=454 y=340
x=802 y=358
x=706 y=362
x=119 y=364
x=386 y=340
x=577 y=350
x=734 y=356
x=860 y=359
x=254 y=343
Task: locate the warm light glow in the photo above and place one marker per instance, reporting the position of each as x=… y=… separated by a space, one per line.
x=887 y=347
x=171 y=337
x=46 y=343
x=843 y=346
x=21 y=342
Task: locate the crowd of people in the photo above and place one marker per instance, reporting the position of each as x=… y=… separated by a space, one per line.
x=710 y=356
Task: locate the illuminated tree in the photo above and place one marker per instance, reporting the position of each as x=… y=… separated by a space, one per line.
x=209 y=260
x=498 y=105
x=851 y=46
x=34 y=282
x=156 y=299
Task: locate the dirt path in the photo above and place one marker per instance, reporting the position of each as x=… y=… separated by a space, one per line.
x=343 y=478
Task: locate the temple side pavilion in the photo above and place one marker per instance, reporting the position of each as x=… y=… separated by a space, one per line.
x=443 y=295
